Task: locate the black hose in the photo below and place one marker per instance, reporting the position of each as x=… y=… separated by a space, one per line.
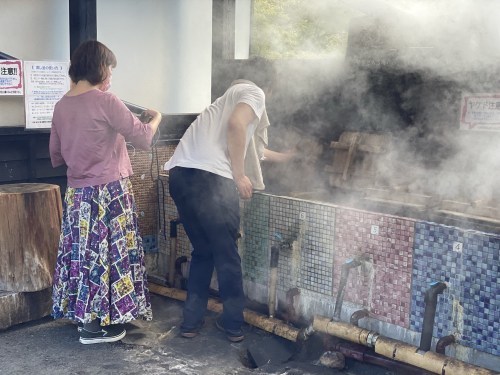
x=431 y=296
x=344 y=273
x=275 y=254
x=443 y=342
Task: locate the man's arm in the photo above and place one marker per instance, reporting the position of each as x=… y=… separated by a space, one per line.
x=242 y=115
x=279 y=157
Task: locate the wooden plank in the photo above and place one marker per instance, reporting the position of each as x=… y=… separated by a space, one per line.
x=13 y=150
x=17 y=170
x=82 y=22
x=41 y=147
x=44 y=169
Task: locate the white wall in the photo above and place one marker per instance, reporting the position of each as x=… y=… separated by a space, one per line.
x=31 y=30
x=243 y=16
x=35 y=29
x=163 y=47
x=164 y=51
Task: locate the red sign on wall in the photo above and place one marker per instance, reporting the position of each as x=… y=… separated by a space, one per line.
x=480 y=112
x=11 y=77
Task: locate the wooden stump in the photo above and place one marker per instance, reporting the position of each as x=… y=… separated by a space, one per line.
x=30 y=222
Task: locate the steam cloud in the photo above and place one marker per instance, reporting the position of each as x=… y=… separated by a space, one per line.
x=408 y=63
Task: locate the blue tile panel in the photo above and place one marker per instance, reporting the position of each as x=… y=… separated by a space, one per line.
x=468 y=261
x=307 y=230
x=255 y=232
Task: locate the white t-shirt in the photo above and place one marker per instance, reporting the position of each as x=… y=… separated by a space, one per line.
x=204 y=144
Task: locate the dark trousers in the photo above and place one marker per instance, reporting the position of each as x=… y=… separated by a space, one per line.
x=208 y=207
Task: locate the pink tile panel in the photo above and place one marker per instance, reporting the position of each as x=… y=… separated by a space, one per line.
x=391 y=253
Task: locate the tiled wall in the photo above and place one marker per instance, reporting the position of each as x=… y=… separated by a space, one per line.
x=155 y=207
x=256 y=241
x=386 y=242
x=305 y=236
x=146 y=166
x=399 y=258
x=469 y=262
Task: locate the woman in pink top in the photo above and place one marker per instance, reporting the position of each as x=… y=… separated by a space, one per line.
x=100 y=277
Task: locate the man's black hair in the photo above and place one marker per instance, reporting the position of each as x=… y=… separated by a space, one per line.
x=259 y=70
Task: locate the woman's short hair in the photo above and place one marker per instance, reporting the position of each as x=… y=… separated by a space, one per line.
x=91 y=61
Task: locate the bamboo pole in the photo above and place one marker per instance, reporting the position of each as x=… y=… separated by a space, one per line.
x=397 y=350
x=274 y=326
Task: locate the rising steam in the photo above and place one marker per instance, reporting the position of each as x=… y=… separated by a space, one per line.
x=407 y=66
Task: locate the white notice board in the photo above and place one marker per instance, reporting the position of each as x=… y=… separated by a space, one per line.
x=45 y=83
x=480 y=112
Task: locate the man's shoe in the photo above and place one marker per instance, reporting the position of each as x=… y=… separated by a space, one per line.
x=110 y=333
x=80 y=327
x=232 y=335
x=190 y=333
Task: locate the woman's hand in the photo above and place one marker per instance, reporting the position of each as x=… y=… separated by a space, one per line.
x=151 y=117
x=148 y=115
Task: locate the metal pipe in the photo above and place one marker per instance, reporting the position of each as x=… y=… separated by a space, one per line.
x=397 y=350
x=357 y=315
x=271 y=325
x=173 y=252
x=443 y=342
x=393 y=349
x=4 y=56
x=180 y=280
x=134 y=108
x=364 y=354
x=273 y=280
x=344 y=274
x=431 y=297
x=345 y=331
x=290 y=313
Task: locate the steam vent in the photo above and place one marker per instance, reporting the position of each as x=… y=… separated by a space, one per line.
x=379 y=236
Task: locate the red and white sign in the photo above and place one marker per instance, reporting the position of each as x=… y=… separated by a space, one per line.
x=11 y=77
x=480 y=112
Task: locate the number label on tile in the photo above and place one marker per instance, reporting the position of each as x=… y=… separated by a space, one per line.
x=458 y=247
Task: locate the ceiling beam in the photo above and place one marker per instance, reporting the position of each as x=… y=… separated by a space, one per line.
x=82 y=22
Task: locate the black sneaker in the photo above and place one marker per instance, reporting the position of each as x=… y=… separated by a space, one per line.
x=110 y=333
x=80 y=327
x=190 y=333
x=232 y=335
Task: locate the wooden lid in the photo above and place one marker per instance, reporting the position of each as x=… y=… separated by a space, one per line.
x=24 y=188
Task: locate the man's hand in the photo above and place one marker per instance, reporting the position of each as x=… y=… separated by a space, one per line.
x=245 y=188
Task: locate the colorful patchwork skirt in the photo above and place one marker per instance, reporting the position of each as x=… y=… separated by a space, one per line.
x=100 y=271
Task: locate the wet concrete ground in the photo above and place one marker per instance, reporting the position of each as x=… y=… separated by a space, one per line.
x=50 y=346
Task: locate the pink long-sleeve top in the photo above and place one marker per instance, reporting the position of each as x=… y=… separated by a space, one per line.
x=89 y=134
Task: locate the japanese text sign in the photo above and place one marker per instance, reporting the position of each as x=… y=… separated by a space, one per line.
x=45 y=83
x=480 y=112
x=11 y=77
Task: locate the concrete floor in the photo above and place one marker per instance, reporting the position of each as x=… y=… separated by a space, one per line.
x=48 y=346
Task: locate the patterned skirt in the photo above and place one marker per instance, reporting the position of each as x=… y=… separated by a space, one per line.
x=100 y=271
